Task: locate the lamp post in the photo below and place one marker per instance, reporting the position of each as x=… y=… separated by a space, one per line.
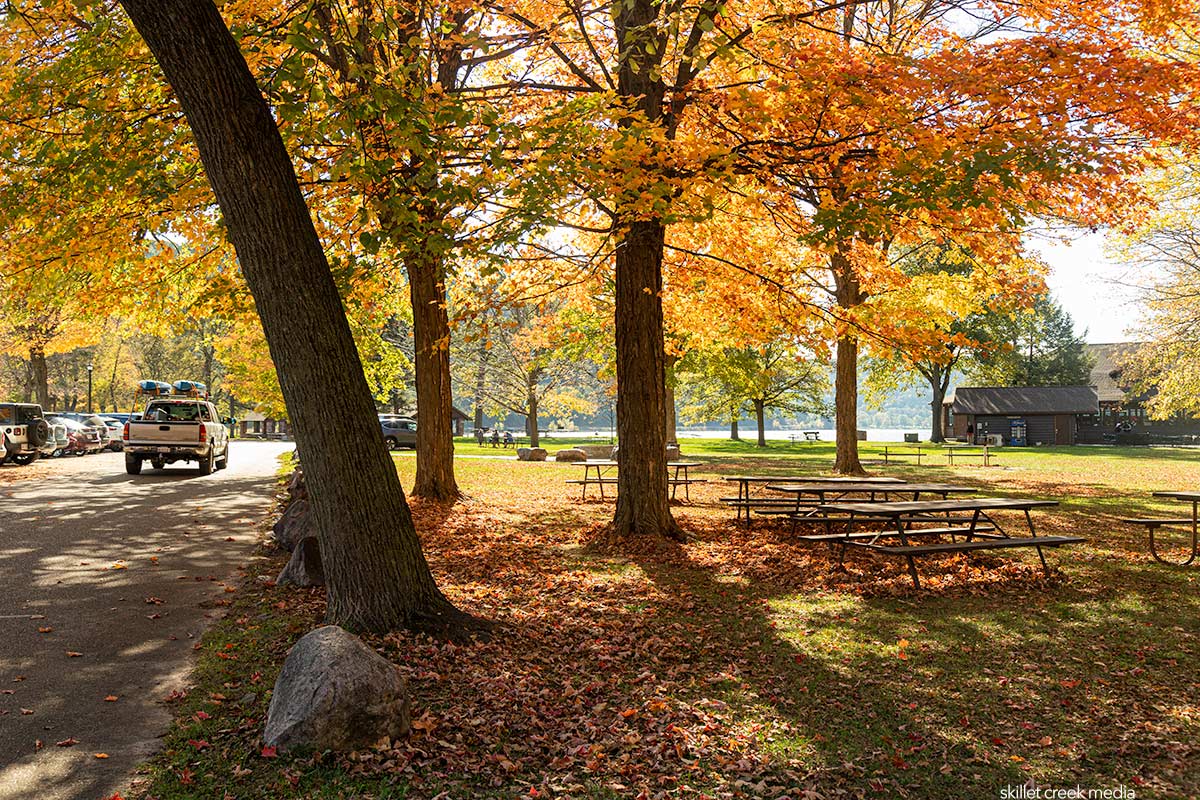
x=89 y=387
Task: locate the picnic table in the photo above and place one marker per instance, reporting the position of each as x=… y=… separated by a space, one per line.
x=1153 y=524
x=968 y=451
x=744 y=502
x=678 y=474
x=987 y=536
x=824 y=494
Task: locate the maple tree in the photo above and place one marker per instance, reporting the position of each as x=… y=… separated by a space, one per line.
x=377 y=575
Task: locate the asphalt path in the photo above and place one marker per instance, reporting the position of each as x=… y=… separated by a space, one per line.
x=106 y=582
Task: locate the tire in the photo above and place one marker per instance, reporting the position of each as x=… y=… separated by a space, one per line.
x=158 y=463
x=39 y=433
x=392 y=442
x=224 y=461
x=133 y=465
x=24 y=459
x=207 y=463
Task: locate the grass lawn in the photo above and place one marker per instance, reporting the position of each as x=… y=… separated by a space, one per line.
x=742 y=664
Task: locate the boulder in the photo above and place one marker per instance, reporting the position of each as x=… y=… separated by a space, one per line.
x=537 y=454
x=672 y=452
x=570 y=455
x=597 y=451
x=296 y=487
x=304 y=567
x=336 y=693
x=294 y=525
x=523 y=453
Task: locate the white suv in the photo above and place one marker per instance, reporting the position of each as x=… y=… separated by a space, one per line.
x=25 y=430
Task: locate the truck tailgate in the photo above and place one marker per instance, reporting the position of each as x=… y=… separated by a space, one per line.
x=164 y=432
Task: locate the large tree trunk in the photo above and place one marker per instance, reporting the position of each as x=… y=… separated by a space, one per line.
x=39 y=377
x=846 y=407
x=938 y=382
x=845 y=402
x=642 y=507
x=431 y=349
x=376 y=574
x=760 y=417
x=734 y=434
x=671 y=435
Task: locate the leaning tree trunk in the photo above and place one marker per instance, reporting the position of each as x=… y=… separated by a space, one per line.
x=760 y=417
x=431 y=349
x=39 y=376
x=376 y=573
x=642 y=479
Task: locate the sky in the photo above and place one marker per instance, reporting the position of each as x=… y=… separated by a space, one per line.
x=1097 y=291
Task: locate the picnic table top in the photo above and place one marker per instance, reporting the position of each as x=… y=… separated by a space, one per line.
x=1192 y=497
x=815 y=488
x=807 y=479
x=897 y=509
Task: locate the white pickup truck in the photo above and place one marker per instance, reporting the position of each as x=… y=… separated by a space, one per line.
x=173 y=430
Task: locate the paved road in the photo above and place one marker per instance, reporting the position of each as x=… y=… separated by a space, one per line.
x=123 y=571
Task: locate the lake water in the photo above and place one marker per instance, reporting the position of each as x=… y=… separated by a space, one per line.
x=750 y=434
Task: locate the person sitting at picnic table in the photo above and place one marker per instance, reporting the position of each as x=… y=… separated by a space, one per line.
x=495 y=437
x=508 y=439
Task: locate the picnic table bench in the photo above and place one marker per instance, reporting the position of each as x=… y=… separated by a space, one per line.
x=968 y=451
x=976 y=537
x=1152 y=525
x=894 y=455
x=745 y=503
x=677 y=475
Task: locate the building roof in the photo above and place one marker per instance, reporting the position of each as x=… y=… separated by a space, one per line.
x=1106 y=374
x=1004 y=400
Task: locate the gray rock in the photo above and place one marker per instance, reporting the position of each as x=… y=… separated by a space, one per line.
x=570 y=455
x=335 y=693
x=304 y=567
x=523 y=453
x=538 y=454
x=597 y=451
x=672 y=452
x=294 y=525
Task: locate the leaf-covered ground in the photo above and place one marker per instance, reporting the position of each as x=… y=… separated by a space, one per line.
x=742 y=664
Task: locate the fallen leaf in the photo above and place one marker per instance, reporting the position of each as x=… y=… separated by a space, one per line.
x=99 y=755
x=70 y=741
x=73 y=654
x=268 y=752
x=112 y=698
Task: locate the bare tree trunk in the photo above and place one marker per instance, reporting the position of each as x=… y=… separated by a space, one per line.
x=760 y=417
x=845 y=402
x=642 y=507
x=39 y=377
x=671 y=434
x=480 y=381
x=733 y=427
x=431 y=350
x=376 y=573
x=939 y=381
x=531 y=418
x=112 y=381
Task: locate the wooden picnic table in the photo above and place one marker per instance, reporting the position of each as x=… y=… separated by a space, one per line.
x=677 y=475
x=968 y=451
x=977 y=536
x=826 y=493
x=1153 y=524
x=743 y=501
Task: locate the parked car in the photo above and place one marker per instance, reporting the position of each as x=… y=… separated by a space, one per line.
x=25 y=428
x=58 y=441
x=111 y=428
x=82 y=439
x=398 y=431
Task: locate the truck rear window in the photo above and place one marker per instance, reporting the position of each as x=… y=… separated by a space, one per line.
x=172 y=412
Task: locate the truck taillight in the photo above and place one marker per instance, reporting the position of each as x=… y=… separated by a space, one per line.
x=125 y=432
x=203 y=433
